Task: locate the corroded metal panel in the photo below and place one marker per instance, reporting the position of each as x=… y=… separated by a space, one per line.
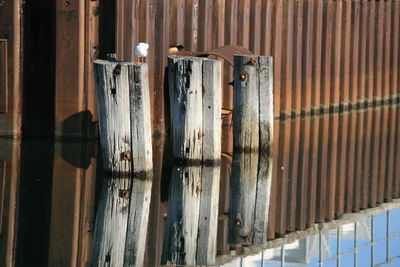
x=3 y=77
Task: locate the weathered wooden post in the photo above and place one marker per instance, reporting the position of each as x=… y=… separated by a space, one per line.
x=195 y=100
x=125 y=134
x=191 y=229
x=253 y=103
x=252 y=165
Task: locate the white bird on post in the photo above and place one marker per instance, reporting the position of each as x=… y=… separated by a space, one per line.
x=141 y=50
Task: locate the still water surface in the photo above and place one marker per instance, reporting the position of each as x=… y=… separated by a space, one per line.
x=58 y=208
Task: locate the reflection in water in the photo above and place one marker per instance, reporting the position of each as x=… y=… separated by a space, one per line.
x=191 y=227
x=369 y=241
x=122 y=219
x=250 y=198
x=323 y=167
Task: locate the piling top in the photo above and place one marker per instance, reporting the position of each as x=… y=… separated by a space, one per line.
x=128 y=63
x=177 y=57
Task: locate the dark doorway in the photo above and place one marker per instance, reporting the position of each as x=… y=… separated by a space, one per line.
x=38 y=61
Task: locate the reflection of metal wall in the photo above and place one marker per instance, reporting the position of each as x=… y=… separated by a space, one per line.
x=329 y=165
x=370 y=241
x=10 y=101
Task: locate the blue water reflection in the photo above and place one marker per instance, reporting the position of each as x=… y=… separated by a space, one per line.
x=370 y=241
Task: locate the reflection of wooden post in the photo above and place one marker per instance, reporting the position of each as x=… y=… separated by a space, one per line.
x=253 y=108
x=250 y=196
x=191 y=229
x=125 y=133
x=195 y=99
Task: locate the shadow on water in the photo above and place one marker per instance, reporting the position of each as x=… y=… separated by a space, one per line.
x=58 y=208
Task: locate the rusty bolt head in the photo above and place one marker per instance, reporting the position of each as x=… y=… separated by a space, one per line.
x=238 y=222
x=124 y=193
x=67 y=3
x=126 y=155
x=253 y=61
x=243 y=76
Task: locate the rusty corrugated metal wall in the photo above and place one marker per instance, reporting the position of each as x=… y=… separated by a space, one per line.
x=329 y=55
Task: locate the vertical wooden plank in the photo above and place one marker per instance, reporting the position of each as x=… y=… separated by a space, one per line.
x=140 y=121
x=266 y=108
x=208 y=215
x=112 y=84
x=138 y=218
x=246 y=113
x=3 y=76
x=185 y=91
x=188 y=237
x=212 y=80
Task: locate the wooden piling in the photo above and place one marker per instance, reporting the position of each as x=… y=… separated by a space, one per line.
x=250 y=198
x=124 y=116
x=125 y=135
x=253 y=106
x=195 y=99
x=191 y=229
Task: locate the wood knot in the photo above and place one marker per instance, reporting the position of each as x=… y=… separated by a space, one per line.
x=238 y=222
x=243 y=76
x=126 y=155
x=123 y=193
x=252 y=61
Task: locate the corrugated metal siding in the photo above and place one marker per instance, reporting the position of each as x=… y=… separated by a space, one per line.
x=329 y=55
